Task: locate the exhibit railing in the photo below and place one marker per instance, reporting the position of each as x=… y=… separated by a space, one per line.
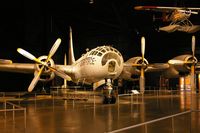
x=189 y=108
x=81 y=95
x=145 y=124
x=12 y=108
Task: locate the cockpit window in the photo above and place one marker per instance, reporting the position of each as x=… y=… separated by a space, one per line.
x=103 y=50
x=99 y=51
x=95 y=52
x=109 y=56
x=107 y=49
x=111 y=49
x=99 y=54
x=92 y=53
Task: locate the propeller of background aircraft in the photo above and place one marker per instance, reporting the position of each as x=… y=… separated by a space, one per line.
x=142 y=66
x=43 y=63
x=193 y=62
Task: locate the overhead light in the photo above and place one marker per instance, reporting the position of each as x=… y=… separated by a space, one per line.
x=91 y=1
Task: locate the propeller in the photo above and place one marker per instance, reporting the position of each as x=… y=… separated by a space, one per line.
x=43 y=63
x=180 y=62
x=192 y=62
x=142 y=78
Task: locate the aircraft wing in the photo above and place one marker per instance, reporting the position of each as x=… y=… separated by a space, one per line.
x=29 y=68
x=130 y=69
x=155 y=8
x=8 y=66
x=165 y=9
x=157 y=67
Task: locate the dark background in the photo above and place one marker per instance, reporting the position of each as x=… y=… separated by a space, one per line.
x=34 y=25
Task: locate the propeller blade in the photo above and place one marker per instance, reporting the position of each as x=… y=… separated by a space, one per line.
x=28 y=55
x=142 y=81
x=193 y=65
x=142 y=47
x=193 y=46
x=193 y=86
x=54 y=49
x=60 y=73
x=35 y=80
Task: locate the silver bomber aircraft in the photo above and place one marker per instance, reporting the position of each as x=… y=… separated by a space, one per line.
x=99 y=66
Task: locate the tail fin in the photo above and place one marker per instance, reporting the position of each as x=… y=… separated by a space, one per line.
x=71 y=58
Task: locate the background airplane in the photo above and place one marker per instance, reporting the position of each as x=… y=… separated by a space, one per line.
x=177 y=16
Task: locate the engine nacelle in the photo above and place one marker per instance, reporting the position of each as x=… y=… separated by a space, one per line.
x=184 y=67
x=176 y=70
x=137 y=60
x=129 y=70
x=47 y=74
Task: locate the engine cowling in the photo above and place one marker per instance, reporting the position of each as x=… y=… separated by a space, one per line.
x=137 y=60
x=177 y=70
x=184 y=67
x=129 y=70
x=47 y=74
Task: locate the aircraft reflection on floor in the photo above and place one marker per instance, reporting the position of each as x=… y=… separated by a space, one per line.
x=58 y=115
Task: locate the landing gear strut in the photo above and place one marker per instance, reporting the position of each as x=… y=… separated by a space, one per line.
x=110 y=99
x=109 y=95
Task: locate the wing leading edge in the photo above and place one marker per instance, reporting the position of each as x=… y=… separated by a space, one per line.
x=17 y=67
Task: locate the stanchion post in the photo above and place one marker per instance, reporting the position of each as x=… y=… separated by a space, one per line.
x=13 y=112
x=25 y=118
x=5 y=106
x=172 y=124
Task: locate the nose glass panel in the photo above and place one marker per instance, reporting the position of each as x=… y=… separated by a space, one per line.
x=109 y=56
x=111 y=66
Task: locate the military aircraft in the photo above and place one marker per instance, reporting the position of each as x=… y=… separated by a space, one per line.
x=98 y=66
x=177 y=16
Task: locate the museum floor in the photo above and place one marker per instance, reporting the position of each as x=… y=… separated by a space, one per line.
x=152 y=113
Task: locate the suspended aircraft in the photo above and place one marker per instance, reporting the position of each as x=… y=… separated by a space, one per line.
x=177 y=16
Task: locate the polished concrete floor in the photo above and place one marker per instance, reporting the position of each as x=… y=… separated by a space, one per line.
x=57 y=115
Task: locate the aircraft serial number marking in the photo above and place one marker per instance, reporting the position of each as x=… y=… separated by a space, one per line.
x=87 y=61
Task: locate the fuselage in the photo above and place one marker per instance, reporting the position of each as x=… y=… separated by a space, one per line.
x=179 y=15
x=103 y=62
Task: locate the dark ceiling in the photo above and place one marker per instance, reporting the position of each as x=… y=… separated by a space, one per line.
x=35 y=24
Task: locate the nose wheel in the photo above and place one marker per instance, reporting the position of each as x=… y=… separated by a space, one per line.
x=109 y=95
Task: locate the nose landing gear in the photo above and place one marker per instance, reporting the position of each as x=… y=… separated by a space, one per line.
x=109 y=94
